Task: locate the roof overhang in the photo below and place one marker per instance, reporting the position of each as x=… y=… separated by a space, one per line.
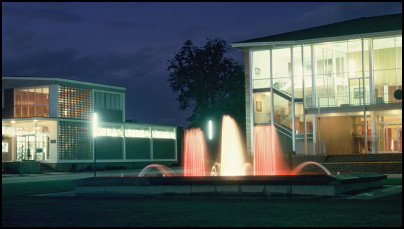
x=315 y=40
x=18 y=82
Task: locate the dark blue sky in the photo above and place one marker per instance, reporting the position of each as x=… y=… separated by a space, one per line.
x=128 y=44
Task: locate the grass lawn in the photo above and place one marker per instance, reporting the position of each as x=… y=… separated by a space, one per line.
x=18 y=209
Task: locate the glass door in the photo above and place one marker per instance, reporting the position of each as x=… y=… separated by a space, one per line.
x=25 y=147
x=390 y=137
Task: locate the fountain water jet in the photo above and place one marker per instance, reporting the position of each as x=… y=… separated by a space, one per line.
x=302 y=165
x=167 y=172
x=267 y=153
x=233 y=164
x=232 y=155
x=194 y=153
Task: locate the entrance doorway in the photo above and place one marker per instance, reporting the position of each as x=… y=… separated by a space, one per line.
x=390 y=137
x=25 y=148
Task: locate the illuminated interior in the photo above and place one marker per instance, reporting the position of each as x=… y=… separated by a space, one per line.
x=344 y=74
x=31 y=102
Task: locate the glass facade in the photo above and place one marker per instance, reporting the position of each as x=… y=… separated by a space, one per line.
x=344 y=73
x=336 y=70
x=31 y=102
x=30 y=139
x=109 y=101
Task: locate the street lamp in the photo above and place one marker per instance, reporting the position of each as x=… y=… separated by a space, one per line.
x=36 y=127
x=210 y=129
x=210 y=135
x=94 y=135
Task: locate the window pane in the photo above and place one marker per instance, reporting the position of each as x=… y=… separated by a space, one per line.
x=102 y=95
x=24 y=111
x=17 y=112
x=18 y=97
x=45 y=98
x=45 y=110
x=112 y=101
x=38 y=111
x=261 y=69
x=117 y=102
x=24 y=97
x=97 y=100
x=107 y=101
x=31 y=96
x=38 y=91
x=31 y=110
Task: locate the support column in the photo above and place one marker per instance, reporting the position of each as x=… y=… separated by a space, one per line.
x=123 y=128
x=272 y=91
x=372 y=95
x=251 y=101
x=313 y=97
x=304 y=110
x=293 y=101
x=373 y=129
x=365 y=134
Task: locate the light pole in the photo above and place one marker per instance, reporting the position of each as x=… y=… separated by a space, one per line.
x=210 y=135
x=36 y=127
x=94 y=135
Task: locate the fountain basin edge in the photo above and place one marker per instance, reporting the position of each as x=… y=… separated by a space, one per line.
x=317 y=185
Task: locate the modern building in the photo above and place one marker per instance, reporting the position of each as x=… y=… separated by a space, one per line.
x=332 y=89
x=50 y=120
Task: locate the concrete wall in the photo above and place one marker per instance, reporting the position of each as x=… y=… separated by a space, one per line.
x=247 y=100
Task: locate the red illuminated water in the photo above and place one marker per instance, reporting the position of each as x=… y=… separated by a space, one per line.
x=194 y=153
x=302 y=165
x=267 y=152
x=164 y=169
x=267 y=155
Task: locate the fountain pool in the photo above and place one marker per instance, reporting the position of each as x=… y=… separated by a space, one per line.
x=234 y=174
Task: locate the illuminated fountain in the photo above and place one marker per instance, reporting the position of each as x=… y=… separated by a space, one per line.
x=194 y=153
x=302 y=165
x=167 y=172
x=232 y=154
x=267 y=153
x=263 y=177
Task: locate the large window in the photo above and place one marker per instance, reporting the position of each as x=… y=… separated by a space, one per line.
x=74 y=103
x=387 y=68
x=109 y=101
x=31 y=102
x=261 y=69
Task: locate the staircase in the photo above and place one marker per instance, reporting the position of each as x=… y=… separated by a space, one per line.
x=44 y=168
x=384 y=163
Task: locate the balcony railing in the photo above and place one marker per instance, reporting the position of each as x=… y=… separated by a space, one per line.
x=345 y=100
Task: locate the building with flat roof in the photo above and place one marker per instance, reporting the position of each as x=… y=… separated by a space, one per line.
x=332 y=89
x=49 y=120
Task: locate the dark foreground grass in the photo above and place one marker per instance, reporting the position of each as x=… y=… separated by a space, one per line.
x=18 y=209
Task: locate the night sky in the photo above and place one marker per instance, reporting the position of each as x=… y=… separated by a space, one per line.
x=128 y=44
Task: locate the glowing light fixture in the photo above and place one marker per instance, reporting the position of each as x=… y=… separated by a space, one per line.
x=12 y=122
x=95 y=125
x=95 y=120
x=210 y=129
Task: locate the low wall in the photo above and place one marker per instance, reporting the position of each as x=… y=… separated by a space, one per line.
x=77 y=167
x=318 y=185
x=21 y=167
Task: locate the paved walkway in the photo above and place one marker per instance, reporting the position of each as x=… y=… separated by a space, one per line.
x=17 y=178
